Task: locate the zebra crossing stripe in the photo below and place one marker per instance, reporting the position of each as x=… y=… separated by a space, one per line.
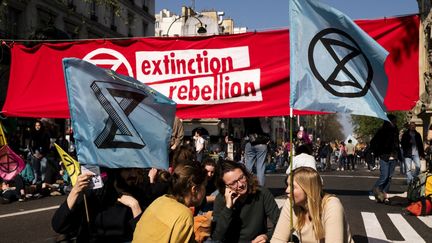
x=427 y=220
x=373 y=228
x=405 y=229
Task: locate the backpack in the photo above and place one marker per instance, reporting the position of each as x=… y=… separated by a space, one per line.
x=420 y=208
x=420 y=186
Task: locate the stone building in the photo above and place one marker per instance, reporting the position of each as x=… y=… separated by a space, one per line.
x=190 y=23
x=24 y=20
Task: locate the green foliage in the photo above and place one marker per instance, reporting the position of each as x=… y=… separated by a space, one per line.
x=330 y=127
x=365 y=127
x=326 y=127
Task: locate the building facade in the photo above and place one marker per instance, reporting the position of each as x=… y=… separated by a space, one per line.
x=80 y=19
x=22 y=20
x=189 y=23
x=422 y=112
x=70 y=19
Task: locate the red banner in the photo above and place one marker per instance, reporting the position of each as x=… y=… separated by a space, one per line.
x=208 y=77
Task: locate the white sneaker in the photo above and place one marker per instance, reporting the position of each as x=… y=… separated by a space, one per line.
x=372 y=197
x=337 y=169
x=342 y=169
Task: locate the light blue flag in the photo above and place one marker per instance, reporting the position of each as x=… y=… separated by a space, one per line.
x=335 y=66
x=118 y=122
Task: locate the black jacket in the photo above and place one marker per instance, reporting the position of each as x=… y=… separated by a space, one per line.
x=110 y=221
x=385 y=143
x=407 y=145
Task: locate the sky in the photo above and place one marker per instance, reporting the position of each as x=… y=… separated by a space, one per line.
x=273 y=14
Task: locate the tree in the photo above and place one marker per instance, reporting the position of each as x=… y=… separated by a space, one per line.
x=365 y=127
x=328 y=127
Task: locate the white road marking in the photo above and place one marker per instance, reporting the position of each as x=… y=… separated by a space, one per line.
x=373 y=228
x=340 y=176
x=427 y=220
x=28 y=212
x=405 y=229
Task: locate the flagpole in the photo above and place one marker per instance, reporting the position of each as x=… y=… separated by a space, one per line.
x=291 y=178
x=86 y=209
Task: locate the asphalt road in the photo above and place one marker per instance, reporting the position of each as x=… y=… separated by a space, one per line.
x=369 y=221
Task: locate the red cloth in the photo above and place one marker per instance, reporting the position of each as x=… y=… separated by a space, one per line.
x=255 y=63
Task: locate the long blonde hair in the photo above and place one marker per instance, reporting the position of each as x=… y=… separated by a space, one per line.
x=310 y=182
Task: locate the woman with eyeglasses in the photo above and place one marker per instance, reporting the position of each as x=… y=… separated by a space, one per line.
x=317 y=216
x=242 y=208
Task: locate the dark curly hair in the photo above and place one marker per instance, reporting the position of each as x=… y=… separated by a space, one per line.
x=225 y=166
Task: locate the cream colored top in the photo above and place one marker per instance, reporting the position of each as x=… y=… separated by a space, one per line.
x=335 y=225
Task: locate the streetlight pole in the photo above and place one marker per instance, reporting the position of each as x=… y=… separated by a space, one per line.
x=201 y=29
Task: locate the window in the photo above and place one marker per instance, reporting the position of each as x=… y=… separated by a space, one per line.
x=113 y=18
x=130 y=21
x=145 y=6
x=145 y=28
x=9 y=23
x=93 y=6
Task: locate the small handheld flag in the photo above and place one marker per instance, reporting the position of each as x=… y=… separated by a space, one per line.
x=2 y=136
x=11 y=164
x=72 y=166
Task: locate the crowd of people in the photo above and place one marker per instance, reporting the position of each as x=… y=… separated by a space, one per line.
x=43 y=174
x=206 y=199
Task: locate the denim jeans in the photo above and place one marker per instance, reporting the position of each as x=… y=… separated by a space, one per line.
x=350 y=161
x=386 y=173
x=256 y=154
x=408 y=162
x=341 y=162
x=39 y=169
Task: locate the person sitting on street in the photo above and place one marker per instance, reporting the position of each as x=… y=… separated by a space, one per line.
x=241 y=208
x=8 y=193
x=317 y=216
x=169 y=218
x=107 y=214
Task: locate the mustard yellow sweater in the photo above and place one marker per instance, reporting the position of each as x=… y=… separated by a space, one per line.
x=165 y=220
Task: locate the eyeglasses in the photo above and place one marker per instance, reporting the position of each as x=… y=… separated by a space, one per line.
x=234 y=184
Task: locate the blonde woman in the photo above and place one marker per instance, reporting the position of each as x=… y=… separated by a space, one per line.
x=317 y=216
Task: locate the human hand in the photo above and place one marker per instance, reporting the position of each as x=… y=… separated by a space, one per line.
x=130 y=202
x=230 y=197
x=152 y=174
x=127 y=200
x=82 y=182
x=173 y=147
x=260 y=239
